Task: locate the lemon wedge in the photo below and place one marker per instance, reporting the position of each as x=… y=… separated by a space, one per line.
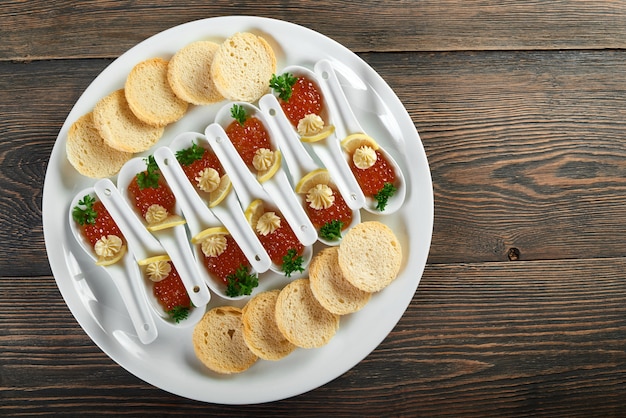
x=354 y=141
x=107 y=261
x=201 y=236
x=219 y=194
x=323 y=134
x=154 y=259
x=265 y=175
x=312 y=179
x=169 y=222
x=254 y=211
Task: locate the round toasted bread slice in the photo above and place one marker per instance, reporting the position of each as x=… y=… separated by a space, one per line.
x=260 y=330
x=330 y=288
x=370 y=256
x=243 y=66
x=189 y=73
x=218 y=341
x=301 y=318
x=89 y=154
x=150 y=96
x=120 y=128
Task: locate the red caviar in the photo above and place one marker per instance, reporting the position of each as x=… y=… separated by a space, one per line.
x=227 y=262
x=373 y=179
x=208 y=160
x=280 y=241
x=144 y=198
x=305 y=99
x=249 y=138
x=339 y=211
x=171 y=292
x=104 y=225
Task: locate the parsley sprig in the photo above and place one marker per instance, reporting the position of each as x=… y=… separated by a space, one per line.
x=283 y=84
x=84 y=213
x=383 y=195
x=241 y=282
x=150 y=177
x=178 y=313
x=238 y=113
x=331 y=231
x=292 y=262
x=187 y=156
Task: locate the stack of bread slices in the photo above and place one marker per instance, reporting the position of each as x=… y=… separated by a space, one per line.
x=307 y=311
x=157 y=92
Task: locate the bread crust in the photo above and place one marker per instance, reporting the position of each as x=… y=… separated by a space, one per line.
x=370 y=256
x=88 y=153
x=218 y=341
x=301 y=318
x=189 y=73
x=243 y=66
x=150 y=96
x=120 y=128
x=260 y=330
x=330 y=287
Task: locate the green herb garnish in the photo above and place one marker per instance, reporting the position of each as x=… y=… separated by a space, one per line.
x=241 y=282
x=150 y=177
x=383 y=196
x=178 y=313
x=331 y=231
x=189 y=155
x=238 y=113
x=283 y=84
x=88 y=214
x=292 y=262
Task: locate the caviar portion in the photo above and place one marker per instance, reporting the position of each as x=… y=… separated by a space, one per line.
x=305 y=99
x=208 y=160
x=278 y=243
x=373 y=179
x=338 y=211
x=144 y=198
x=103 y=226
x=248 y=138
x=227 y=262
x=171 y=292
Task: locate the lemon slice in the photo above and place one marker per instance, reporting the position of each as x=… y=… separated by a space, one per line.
x=107 y=261
x=323 y=134
x=312 y=179
x=265 y=175
x=169 y=222
x=354 y=141
x=219 y=194
x=254 y=211
x=201 y=236
x=154 y=259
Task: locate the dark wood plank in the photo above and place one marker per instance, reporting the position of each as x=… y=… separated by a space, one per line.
x=493 y=339
x=63 y=29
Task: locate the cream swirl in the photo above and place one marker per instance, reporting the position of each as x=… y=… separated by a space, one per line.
x=268 y=223
x=310 y=125
x=320 y=197
x=158 y=270
x=208 y=179
x=155 y=214
x=263 y=159
x=109 y=246
x=364 y=157
x=214 y=245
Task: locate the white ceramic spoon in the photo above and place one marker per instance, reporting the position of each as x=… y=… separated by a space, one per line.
x=144 y=246
x=278 y=186
x=299 y=162
x=347 y=124
x=200 y=218
x=126 y=277
x=245 y=184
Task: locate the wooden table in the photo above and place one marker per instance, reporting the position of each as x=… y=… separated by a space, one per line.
x=521 y=108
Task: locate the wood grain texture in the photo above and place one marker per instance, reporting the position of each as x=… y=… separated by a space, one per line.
x=482 y=339
x=96 y=29
x=520 y=107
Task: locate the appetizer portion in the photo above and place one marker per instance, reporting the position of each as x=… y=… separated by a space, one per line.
x=169 y=289
x=100 y=230
x=277 y=237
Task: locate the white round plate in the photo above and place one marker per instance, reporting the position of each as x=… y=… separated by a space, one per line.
x=169 y=362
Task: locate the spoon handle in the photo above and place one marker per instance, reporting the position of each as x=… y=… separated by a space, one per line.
x=140 y=242
x=128 y=279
